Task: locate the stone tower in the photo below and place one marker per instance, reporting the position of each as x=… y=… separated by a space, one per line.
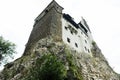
x=48 y=23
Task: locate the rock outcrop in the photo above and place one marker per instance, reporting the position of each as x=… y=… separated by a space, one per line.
x=75 y=66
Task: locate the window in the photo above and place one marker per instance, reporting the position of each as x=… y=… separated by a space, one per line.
x=81 y=32
x=68 y=40
x=88 y=51
x=71 y=32
x=46 y=10
x=85 y=48
x=85 y=41
x=87 y=35
x=76 y=45
x=69 y=26
x=65 y=27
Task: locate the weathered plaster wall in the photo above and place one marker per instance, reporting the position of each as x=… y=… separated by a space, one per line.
x=83 y=42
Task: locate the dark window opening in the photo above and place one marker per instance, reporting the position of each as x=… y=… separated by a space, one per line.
x=85 y=48
x=71 y=32
x=65 y=27
x=68 y=40
x=46 y=10
x=88 y=51
x=85 y=41
x=76 y=45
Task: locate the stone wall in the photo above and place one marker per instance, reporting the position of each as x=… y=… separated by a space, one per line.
x=48 y=25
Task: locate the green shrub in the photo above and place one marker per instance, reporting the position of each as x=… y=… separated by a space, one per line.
x=49 y=67
x=74 y=72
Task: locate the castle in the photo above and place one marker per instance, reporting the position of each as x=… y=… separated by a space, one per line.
x=61 y=27
x=71 y=46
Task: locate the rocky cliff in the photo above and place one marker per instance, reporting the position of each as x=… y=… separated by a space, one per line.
x=50 y=60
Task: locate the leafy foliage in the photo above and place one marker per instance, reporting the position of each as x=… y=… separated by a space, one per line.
x=50 y=69
x=74 y=72
x=7 y=49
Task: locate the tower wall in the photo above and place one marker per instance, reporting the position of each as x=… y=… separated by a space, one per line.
x=48 y=23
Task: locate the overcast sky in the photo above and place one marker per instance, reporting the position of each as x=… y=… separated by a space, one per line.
x=103 y=17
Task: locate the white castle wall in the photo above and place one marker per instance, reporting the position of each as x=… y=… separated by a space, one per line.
x=79 y=41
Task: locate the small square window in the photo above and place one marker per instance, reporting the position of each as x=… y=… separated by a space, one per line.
x=68 y=40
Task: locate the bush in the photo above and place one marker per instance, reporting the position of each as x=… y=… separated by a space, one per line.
x=49 y=67
x=74 y=72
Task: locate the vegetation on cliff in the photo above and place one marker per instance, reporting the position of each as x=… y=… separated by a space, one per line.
x=7 y=49
x=49 y=60
x=49 y=67
x=52 y=67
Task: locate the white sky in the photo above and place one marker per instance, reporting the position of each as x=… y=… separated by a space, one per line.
x=103 y=17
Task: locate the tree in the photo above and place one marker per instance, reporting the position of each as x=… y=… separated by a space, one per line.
x=7 y=49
